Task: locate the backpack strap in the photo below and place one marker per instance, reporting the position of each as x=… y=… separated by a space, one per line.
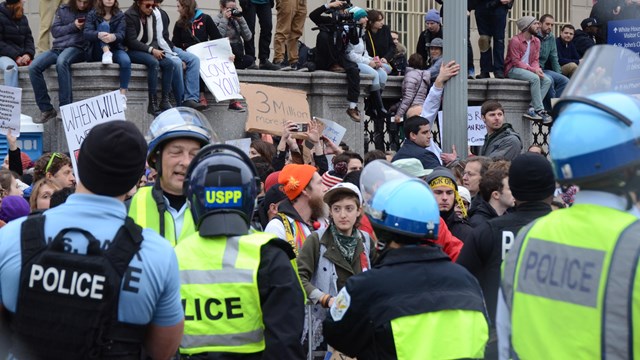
x=32 y=236
x=125 y=245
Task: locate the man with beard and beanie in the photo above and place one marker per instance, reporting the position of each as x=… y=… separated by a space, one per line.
x=445 y=190
x=240 y=290
x=532 y=185
x=298 y=215
x=501 y=141
x=413 y=290
x=114 y=287
x=175 y=137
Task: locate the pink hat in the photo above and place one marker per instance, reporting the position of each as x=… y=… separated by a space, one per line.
x=271 y=180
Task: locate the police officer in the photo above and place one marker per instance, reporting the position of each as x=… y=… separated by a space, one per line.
x=83 y=281
x=175 y=137
x=242 y=297
x=569 y=287
x=415 y=303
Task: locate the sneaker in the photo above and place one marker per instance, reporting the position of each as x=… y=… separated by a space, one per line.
x=46 y=116
x=193 y=104
x=268 y=65
x=236 y=106
x=124 y=101
x=354 y=114
x=531 y=114
x=107 y=58
x=283 y=67
x=546 y=118
x=252 y=67
x=498 y=75
x=471 y=75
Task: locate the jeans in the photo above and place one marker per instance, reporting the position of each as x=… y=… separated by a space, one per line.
x=263 y=11
x=10 y=73
x=191 y=82
x=153 y=67
x=63 y=60
x=103 y=27
x=492 y=24
x=539 y=87
x=558 y=83
x=379 y=76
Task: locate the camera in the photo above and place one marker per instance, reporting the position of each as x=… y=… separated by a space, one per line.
x=301 y=127
x=236 y=12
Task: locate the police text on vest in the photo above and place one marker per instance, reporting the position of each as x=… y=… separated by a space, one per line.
x=76 y=284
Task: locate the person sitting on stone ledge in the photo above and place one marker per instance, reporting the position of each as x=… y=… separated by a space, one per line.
x=105 y=29
x=69 y=47
x=142 y=42
x=16 y=41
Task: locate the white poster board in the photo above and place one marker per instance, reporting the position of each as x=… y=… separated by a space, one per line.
x=332 y=130
x=10 y=107
x=80 y=117
x=243 y=144
x=475 y=126
x=216 y=69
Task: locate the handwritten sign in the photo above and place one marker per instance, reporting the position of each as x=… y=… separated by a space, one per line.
x=332 y=130
x=216 y=70
x=243 y=144
x=475 y=126
x=10 y=107
x=271 y=107
x=80 y=117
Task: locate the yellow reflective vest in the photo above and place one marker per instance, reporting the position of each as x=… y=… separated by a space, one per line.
x=144 y=211
x=220 y=293
x=572 y=285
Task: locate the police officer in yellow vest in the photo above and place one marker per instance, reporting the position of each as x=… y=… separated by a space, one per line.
x=414 y=303
x=241 y=295
x=570 y=284
x=174 y=138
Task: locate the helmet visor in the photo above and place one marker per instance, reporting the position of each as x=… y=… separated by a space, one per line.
x=377 y=173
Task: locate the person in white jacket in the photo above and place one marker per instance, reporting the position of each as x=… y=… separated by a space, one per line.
x=371 y=66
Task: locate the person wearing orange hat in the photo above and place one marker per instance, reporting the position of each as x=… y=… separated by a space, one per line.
x=304 y=204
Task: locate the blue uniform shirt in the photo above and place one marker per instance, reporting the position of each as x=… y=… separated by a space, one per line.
x=150 y=291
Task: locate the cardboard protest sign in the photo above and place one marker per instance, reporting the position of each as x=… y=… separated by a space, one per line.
x=243 y=144
x=332 y=130
x=216 y=69
x=271 y=107
x=80 y=117
x=475 y=126
x=10 y=107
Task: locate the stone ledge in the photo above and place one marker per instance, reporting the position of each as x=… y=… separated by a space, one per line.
x=326 y=93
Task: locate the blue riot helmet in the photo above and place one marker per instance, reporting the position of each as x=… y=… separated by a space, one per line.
x=399 y=203
x=221 y=186
x=175 y=123
x=595 y=140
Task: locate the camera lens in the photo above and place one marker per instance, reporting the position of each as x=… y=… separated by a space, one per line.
x=236 y=13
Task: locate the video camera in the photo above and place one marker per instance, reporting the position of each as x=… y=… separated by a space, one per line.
x=340 y=16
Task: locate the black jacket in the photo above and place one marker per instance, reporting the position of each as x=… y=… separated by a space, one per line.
x=15 y=35
x=424 y=40
x=480 y=211
x=132 y=16
x=409 y=150
x=202 y=29
x=460 y=228
x=483 y=255
x=382 y=44
x=583 y=42
x=406 y=281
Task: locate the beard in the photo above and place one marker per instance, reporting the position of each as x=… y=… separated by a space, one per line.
x=318 y=208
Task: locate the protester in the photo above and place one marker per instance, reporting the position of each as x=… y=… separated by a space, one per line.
x=418 y=137
x=378 y=39
x=501 y=141
x=56 y=167
x=586 y=38
x=9 y=184
x=435 y=58
x=549 y=60
x=261 y=9
x=17 y=42
x=399 y=61
x=568 y=56
x=445 y=191
x=41 y=192
x=433 y=23
x=232 y=25
x=13 y=207
x=491 y=18
x=110 y=314
x=290 y=18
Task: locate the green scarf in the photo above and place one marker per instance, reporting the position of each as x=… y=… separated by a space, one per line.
x=346 y=244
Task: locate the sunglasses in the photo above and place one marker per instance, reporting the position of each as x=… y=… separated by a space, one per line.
x=53 y=156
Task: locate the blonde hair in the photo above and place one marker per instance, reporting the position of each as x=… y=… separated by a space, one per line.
x=33 y=199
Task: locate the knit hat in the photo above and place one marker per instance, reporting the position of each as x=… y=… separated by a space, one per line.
x=437 y=42
x=442 y=176
x=26 y=161
x=465 y=194
x=531 y=177
x=432 y=15
x=13 y=207
x=358 y=13
x=294 y=178
x=11 y=2
x=271 y=180
x=412 y=166
x=589 y=22
x=524 y=22
x=329 y=180
x=112 y=158
x=273 y=196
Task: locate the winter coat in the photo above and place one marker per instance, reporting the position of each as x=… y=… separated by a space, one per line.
x=415 y=87
x=409 y=150
x=358 y=53
x=480 y=212
x=502 y=144
x=567 y=53
x=64 y=31
x=236 y=30
x=117 y=26
x=201 y=29
x=583 y=42
x=380 y=43
x=15 y=35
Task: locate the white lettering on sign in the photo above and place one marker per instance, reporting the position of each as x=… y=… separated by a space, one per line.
x=78 y=284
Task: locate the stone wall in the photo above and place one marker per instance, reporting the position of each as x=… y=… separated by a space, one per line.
x=326 y=93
